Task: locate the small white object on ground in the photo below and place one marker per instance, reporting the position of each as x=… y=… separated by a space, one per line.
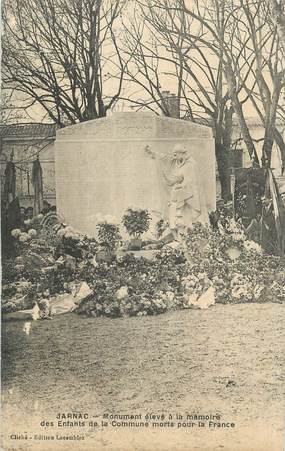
x=27 y=328
x=36 y=312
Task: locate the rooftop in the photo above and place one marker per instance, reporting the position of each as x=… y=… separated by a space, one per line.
x=34 y=130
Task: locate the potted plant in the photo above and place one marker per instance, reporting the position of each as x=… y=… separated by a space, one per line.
x=108 y=239
x=136 y=222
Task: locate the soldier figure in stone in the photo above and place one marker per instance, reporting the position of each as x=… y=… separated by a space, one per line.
x=185 y=203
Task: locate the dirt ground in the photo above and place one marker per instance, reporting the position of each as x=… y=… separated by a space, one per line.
x=225 y=361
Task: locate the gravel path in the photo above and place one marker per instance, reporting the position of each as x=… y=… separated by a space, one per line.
x=223 y=361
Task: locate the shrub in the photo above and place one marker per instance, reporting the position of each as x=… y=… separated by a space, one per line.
x=108 y=235
x=136 y=222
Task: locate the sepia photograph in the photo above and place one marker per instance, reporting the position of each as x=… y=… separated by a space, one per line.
x=142 y=157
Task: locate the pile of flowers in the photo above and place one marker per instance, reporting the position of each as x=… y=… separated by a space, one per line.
x=46 y=263
x=237 y=267
x=74 y=243
x=18 y=295
x=30 y=230
x=194 y=286
x=23 y=237
x=219 y=258
x=241 y=287
x=140 y=305
x=133 y=286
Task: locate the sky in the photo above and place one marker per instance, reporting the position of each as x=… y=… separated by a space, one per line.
x=167 y=82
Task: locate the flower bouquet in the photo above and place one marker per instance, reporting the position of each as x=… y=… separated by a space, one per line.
x=241 y=288
x=198 y=291
x=222 y=289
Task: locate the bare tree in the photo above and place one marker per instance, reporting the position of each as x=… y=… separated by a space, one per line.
x=216 y=19
x=262 y=57
x=9 y=111
x=251 y=57
x=150 y=62
x=237 y=37
x=278 y=16
x=193 y=43
x=60 y=54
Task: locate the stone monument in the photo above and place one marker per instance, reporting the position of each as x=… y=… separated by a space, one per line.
x=102 y=166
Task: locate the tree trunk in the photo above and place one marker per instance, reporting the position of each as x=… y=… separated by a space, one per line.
x=270 y=122
x=280 y=143
x=223 y=162
x=267 y=147
x=239 y=113
x=223 y=135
